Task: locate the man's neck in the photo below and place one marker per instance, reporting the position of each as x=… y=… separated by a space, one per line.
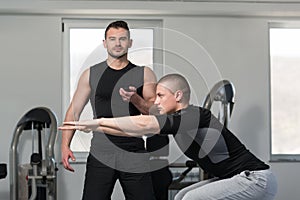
x=117 y=64
x=182 y=106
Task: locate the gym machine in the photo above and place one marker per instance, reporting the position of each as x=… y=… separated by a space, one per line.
x=3 y=170
x=36 y=180
x=223 y=92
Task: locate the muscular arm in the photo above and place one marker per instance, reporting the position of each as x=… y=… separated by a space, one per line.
x=80 y=98
x=131 y=126
x=144 y=105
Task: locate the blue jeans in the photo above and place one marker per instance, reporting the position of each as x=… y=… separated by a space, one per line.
x=255 y=185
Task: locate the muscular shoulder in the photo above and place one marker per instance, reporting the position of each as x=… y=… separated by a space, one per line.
x=149 y=75
x=85 y=76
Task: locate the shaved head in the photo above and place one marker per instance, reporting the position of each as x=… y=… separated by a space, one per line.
x=176 y=82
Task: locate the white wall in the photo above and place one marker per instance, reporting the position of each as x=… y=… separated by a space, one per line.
x=30 y=75
x=210 y=40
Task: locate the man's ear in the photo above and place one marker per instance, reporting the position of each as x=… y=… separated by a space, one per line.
x=104 y=43
x=178 y=95
x=130 y=43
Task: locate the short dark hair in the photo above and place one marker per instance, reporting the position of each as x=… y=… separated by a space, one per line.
x=117 y=24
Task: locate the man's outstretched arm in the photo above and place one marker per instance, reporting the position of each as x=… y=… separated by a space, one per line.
x=131 y=126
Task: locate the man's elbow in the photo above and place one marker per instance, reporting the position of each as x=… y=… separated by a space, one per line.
x=148 y=127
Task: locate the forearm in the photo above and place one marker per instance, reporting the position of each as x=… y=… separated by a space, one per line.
x=132 y=126
x=116 y=132
x=66 y=139
x=67 y=135
x=142 y=105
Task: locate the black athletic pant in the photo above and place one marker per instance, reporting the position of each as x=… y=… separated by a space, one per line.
x=100 y=181
x=161 y=179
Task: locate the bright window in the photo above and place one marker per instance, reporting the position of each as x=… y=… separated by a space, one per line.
x=285 y=91
x=83 y=48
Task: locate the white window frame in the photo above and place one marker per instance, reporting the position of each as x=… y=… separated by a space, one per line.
x=277 y=157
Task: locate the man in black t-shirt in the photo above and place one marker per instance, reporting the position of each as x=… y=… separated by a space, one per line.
x=238 y=174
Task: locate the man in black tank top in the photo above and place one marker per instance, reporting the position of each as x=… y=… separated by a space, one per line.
x=115 y=88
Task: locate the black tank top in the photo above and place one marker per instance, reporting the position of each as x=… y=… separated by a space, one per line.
x=106 y=101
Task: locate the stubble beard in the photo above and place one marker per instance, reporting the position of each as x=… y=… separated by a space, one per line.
x=118 y=56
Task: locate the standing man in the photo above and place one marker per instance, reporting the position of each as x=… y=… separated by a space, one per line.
x=238 y=174
x=115 y=88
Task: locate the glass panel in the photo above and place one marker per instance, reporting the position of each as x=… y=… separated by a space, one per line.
x=285 y=90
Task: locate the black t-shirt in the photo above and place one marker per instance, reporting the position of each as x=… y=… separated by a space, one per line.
x=205 y=140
